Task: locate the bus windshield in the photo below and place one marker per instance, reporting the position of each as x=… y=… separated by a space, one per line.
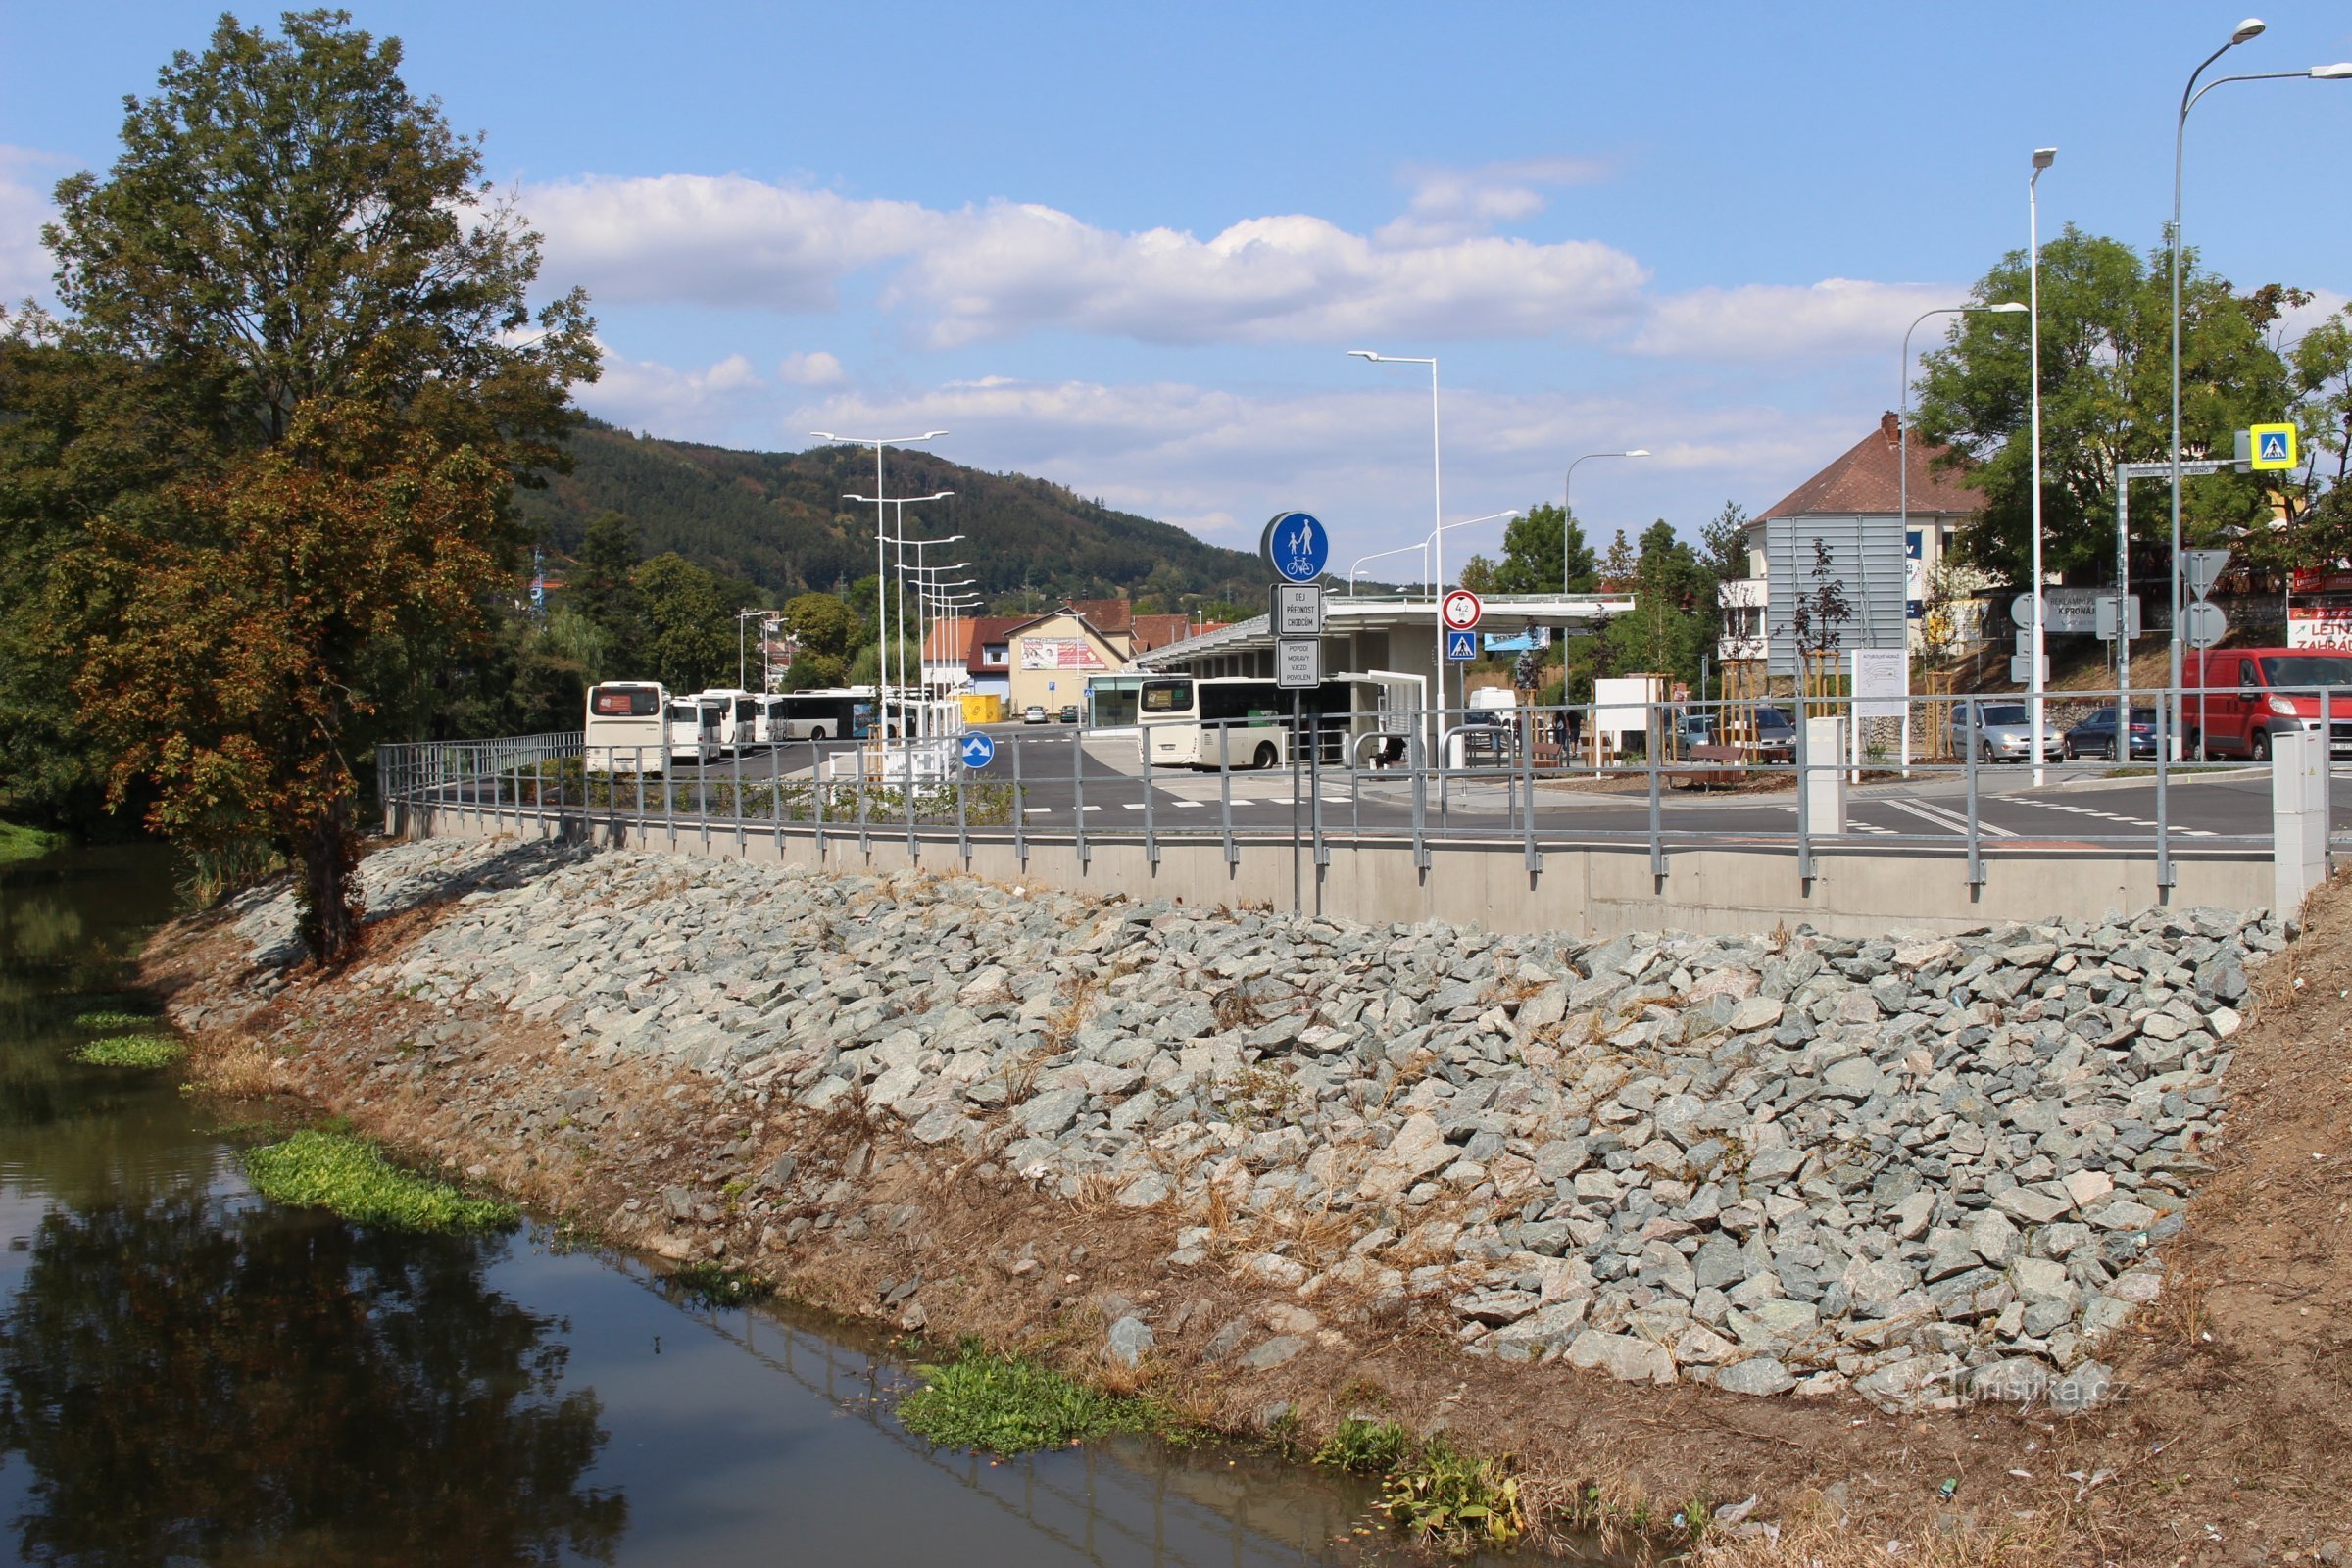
x=1168 y=697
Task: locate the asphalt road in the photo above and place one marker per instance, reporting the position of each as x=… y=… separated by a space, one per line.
x=2079 y=803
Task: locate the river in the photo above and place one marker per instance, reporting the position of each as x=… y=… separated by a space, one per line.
x=191 y=1374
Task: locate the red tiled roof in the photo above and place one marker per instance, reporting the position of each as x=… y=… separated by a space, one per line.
x=1112 y=618
x=1157 y=631
x=1868 y=481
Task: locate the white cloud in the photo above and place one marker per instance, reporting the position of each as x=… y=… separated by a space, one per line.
x=1760 y=320
x=716 y=239
x=25 y=177
x=814 y=367
x=1449 y=203
x=999 y=270
x=691 y=404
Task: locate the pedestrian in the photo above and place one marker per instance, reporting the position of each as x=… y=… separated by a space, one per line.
x=1575 y=733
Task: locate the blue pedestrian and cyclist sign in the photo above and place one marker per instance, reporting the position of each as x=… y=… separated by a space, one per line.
x=1296 y=544
x=978 y=751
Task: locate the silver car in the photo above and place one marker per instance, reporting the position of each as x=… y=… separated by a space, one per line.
x=2005 y=733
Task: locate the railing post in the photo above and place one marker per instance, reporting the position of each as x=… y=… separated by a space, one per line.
x=1651 y=747
x=963 y=831
x=1975 y=834
x=670 y=791
x=1418 y=759
x=2164 y=803
x=776 y=794
x=816 y=794
x=906 y=788
x=1021 y=816
x=739 y=831
x=864 y=823
x=1143 y=745
x=1078 y=796
x=1314 y=784
x=1805 y=801
x=1233 y=852
x=1529 y=725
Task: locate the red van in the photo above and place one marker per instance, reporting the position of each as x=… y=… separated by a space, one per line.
x=2247 y=695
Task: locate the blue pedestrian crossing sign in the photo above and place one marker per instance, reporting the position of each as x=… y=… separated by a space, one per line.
x=978 y=751
x=2274 y=447
x=1462 y=646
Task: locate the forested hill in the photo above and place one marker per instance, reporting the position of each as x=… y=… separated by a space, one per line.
x=776 y=520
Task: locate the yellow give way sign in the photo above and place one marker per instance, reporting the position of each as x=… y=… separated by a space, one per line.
x=2271 y=446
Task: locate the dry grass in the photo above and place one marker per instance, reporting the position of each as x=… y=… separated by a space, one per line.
x=233 y=1066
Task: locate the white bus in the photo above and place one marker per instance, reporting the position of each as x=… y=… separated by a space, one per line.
x=829 y=713
x=1184 y=715
x=695 y=724
x=739 y=716
x=626 y=723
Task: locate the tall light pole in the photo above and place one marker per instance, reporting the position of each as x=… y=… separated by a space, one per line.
x=1567 y=519
x=2251 y=28
x=2043 y=158
x=881 y=576
x=1437 y=514
x=1902 y=421
x=884 y=580
x=1422 y=547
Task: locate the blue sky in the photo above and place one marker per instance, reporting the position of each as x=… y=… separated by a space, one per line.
x=1126 y=248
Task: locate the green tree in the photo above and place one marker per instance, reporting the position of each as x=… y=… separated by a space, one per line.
x=689 y=624
x=825 y=625
x=1531 y=561
x=2105 y=397
x=1620 y=566
x=296 y=281
x=603 y=588
x=1478 y=575
x=1672 y=621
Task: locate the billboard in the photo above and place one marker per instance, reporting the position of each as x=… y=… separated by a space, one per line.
x=2325 y=624
x=1059 y=653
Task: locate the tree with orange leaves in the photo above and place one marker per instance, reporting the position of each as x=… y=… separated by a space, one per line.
x=297 y=270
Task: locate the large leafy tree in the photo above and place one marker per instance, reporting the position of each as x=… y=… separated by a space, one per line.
x=1543 y=549
x=2106 y=324
x=298 y=306
x=689 y=638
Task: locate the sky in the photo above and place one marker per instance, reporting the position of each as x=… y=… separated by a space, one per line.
x=1126 y=248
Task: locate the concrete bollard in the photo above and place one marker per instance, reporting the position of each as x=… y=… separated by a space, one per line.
x=1822 y=796
x=2298 y=818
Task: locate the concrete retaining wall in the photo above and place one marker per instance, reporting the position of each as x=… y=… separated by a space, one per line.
x=1597 y=892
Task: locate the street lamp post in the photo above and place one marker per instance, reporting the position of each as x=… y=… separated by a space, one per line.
x=883 y=583
x=2251 y=28
x=2043 y=157
x=1437 y=516
x=881 y=575
x=1423 y=546
x=1568 y=517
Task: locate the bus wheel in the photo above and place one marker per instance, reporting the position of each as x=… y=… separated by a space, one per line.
x=1265 y=755
x=816 y=732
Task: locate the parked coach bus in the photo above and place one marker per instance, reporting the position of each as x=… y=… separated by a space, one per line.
x=1184 y=714
x=739 y=716
x=626 y=723
x=837 y=714
x=695 y=724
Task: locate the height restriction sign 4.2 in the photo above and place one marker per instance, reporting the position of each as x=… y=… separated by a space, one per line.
x=1462 y=611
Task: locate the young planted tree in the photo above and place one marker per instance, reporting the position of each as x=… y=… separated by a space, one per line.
x=296 y=268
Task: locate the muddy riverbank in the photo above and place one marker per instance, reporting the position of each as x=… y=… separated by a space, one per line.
x=1282 y=1172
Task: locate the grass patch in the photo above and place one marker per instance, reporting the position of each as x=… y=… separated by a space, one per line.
x=1368 y=1447
x=352 y=1178
x=106 y=1019
x=25 y=843
x=132 y=1051
x=1008 y=1405
x=716 y=1286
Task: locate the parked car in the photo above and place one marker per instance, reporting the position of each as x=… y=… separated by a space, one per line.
x=2095 y=736
x=1774 y=731
x=1034 y=714
x=2004 y=732
x=2238 y=699
x=1068 y=713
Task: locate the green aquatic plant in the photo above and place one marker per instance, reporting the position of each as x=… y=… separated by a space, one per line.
x=25 y=843
x=1009 y=1404
x=352 y=1177
x=1454 y=1500
x=132 y=1051
x=1368 y=1447
x=109 y=1019
x=715 y=1285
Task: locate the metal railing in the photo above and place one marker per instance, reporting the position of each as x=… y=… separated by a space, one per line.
x=1943 y=776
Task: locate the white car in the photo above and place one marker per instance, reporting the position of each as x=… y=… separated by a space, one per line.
x=1034 y=714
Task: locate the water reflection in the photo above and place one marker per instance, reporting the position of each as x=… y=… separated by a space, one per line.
x=187 y=1379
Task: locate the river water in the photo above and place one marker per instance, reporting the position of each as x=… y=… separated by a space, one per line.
x=190 y=1374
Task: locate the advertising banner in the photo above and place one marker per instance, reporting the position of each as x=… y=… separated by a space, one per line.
x=1059 y=653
